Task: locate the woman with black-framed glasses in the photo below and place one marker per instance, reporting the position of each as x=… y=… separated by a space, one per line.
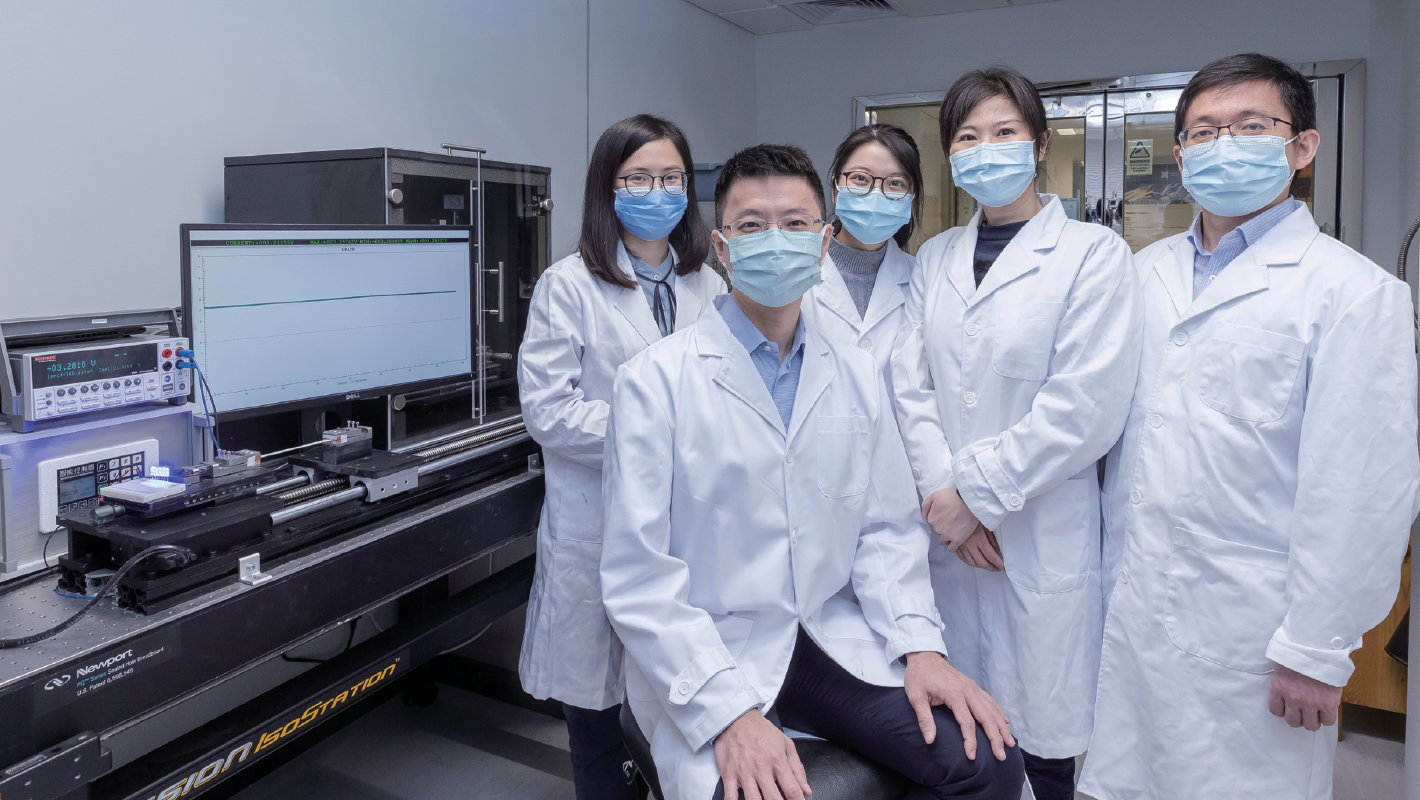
x=637 y=275
x=876 y=173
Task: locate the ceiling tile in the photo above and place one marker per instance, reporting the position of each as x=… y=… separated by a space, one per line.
x=768 y=20
x=727 y=6
x=927 y=8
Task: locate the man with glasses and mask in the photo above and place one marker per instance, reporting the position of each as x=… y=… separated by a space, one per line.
x=763 y=561
x=1258 y=504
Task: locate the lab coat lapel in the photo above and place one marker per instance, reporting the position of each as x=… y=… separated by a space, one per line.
x=1176 y=273
x=737 y=374
x=1022 y=254
x=959 y=260
x=834 y=294
x=889 y=290
x=814 y=376
x=689 y=301
x=632 y=302
x=1248 y=273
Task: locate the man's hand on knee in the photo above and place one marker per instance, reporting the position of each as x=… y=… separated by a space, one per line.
x=931 y=681
x=756 y=758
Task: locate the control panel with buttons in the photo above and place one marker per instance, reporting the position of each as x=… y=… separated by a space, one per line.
x=68 y=483
x=63 y=381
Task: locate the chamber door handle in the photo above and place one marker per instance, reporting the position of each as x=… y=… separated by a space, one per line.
x=502 y=308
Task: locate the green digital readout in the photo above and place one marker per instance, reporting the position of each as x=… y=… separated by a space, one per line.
x=98 y=364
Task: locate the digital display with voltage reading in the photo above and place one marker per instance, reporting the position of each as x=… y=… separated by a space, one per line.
x=93 y=365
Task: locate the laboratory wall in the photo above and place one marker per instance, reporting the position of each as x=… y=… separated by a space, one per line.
x=807 y=80
x=117 y=116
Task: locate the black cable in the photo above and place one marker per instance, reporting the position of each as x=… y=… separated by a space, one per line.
x=186 y=555
x=215 y=431
x=44 y=556
x=354 y=623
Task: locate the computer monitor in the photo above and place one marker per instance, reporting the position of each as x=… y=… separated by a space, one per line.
x=290 y=316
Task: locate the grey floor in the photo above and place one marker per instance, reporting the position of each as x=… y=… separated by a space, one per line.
x=466 y=746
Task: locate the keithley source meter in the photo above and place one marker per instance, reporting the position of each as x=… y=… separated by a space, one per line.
x=58 y=382
x=54 y=371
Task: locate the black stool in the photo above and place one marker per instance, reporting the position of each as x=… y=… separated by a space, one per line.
x=834 y=773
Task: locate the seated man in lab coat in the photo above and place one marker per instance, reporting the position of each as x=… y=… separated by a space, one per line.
x=764 y=562
x=1258 y=504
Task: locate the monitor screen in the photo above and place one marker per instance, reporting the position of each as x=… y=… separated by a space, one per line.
x=285 y=314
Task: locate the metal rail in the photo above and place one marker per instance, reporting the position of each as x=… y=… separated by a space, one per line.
x=281 y=486
x=358 y=492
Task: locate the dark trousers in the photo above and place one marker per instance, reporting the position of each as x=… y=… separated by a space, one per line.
x=1050 y=778
x=598 y=754
x=877 y=722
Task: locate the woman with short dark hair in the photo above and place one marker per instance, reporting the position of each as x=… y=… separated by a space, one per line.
x=876 y=181
x=1013 y=374
x=638 y=275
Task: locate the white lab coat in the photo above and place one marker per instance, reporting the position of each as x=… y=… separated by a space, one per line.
x=1257 y=512
x=580 y=329
x=1012 y=392
x=830 y=308
x=724 y=534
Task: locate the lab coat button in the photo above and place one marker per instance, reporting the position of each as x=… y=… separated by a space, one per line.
x=1014 y=501
x=1156 y=420
x=916 y=473
x=866 y=345
x=1136 y=496
x=788 y=458
x=1338 y=643
x=684 y=687
x=969 y=397
x=1180 y=338
x=972 y=329
x=1124 y=577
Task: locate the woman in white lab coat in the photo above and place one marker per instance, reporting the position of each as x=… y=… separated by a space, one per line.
x=1013 y=373
x=877 y=175
x=637 y=276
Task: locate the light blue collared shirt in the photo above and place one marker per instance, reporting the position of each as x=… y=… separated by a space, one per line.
x=653 y=278
x=781 y=378
x=1206 y=265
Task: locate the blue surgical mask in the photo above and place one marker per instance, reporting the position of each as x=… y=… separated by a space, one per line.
x=995 y=173
x=774 y=267
x=651 y=216
x=872 y=217
x=1237 y=175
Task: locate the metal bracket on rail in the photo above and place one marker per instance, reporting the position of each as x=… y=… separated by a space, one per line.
x=72 y=764
x=249 y=571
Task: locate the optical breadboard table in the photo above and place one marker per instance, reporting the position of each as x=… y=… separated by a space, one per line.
x=62 y=698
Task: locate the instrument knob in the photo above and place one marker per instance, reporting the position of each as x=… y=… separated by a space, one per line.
x=396 y=196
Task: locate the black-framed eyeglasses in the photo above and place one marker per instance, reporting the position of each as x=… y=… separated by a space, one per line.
x=1208 y=135
x=793 y=222
x=640 y=184
x=859 y=182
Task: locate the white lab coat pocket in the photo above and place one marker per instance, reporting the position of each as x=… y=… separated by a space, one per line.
x=1024 y=338
x=1224 y=600
x=843 y=455
x=1247 y=372
x=1050 y=545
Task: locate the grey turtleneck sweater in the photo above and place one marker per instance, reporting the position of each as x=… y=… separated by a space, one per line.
x=859 y=269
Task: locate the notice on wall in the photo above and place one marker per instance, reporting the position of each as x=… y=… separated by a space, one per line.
x=1139 y=157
